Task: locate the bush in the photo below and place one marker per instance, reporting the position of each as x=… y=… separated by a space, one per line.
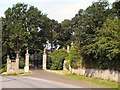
x=67 y=63
x=57 y=58
x=4 y=68
x=74 y=56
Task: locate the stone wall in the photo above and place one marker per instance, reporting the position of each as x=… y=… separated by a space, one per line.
x=103 y=74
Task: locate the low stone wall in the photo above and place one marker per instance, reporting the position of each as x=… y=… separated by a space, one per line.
x=103 y=74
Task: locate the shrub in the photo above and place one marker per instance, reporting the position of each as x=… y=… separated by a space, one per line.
x=57 y=58
x=74 y=56
x=4 y=68
x=67 y=63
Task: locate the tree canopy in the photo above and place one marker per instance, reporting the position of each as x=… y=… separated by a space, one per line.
x=95 y=32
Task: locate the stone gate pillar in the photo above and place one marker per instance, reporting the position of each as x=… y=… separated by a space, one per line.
x=26 y=68
x=17 y=63
x=8 y=64
x=44 y=59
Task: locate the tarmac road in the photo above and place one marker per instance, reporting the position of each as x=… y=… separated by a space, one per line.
x=29 y=82
x=45 y=80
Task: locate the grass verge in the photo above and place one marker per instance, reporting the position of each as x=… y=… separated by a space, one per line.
x=97 y=81
x=21 y=73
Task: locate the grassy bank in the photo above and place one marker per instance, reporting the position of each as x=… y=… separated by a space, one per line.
x=97 y=81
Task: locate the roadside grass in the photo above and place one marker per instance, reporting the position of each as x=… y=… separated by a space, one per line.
x=98 y=81
x=21 y=73
x=58 y=72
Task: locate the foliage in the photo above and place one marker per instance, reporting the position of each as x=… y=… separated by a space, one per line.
x=94 y=31
x=23 y=27
x=58 y=57
x=108 y=45
x=66 y=32
x=67 y=64
x=75 y=56
x=116 y=8
x=98 y=36
x=49 y=61
x=105 y=51
x=4 y=68
x=21 y=64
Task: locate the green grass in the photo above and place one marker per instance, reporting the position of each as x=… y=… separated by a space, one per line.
x=21 y=73
x=97 y=81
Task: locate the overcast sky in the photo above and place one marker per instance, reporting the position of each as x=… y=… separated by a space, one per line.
x=56 y=9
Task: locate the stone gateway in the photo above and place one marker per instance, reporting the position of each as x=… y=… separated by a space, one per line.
x=13 y=65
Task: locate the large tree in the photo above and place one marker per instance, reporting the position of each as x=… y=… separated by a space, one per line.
x=23 y=27
x=13 y=33
x=107 y=47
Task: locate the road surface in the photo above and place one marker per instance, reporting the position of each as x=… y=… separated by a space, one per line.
x=29 y=82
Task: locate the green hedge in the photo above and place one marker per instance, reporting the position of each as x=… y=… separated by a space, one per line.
x=74 y=56
x=67 y=63
x=57 y=59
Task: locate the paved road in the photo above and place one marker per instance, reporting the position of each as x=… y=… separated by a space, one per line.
x=29 y=82
x=43 y=79
x=40 y=74
x=53 y=77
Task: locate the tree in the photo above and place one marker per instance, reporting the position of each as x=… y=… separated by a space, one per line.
x=54 y=34
x=23 y=27
x=13 y=33
x=116 y=8
x=85 y=25
x=66 y=32
x=108 y=45
x=38 y=25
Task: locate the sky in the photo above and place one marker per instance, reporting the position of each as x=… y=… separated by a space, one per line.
x=55 y=9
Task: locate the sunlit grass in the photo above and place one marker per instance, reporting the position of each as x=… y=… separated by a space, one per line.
x=97 y=81
x=21 y=73
x=93 y=80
